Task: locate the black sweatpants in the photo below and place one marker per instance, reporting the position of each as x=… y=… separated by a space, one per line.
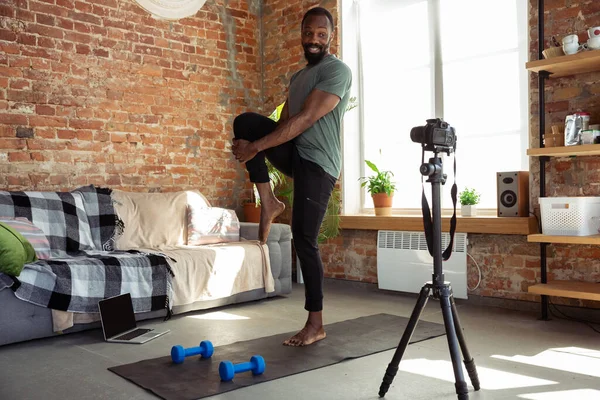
x=312 y=189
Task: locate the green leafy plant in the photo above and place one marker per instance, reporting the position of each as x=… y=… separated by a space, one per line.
x=381 y=182
x=277 y=180
x=469 y=197
x=352 y=103
x=330 y=227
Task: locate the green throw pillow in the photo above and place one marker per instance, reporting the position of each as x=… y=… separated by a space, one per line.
x=15 y=251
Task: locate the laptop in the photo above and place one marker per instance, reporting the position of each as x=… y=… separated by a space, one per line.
x=118 y=321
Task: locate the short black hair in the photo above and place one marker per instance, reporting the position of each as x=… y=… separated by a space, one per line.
x=318 y=11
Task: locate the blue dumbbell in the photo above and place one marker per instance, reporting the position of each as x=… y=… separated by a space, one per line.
x=178 y=353
x=227 y=369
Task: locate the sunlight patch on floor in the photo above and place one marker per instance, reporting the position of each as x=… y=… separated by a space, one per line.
x=490 y=379
x=219 y=316
x=579 y=394
x=569 y=359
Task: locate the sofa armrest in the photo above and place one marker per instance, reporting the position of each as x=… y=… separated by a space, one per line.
x=279 y=243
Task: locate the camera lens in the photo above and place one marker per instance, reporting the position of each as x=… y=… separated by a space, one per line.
x=417 y=134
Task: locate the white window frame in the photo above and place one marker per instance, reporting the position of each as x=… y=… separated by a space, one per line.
x=352 y=139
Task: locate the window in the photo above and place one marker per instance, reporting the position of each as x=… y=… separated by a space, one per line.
x=460 y=60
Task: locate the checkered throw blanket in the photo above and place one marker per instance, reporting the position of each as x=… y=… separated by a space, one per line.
x=76 y=283
x=81 y=226
x=105 y=226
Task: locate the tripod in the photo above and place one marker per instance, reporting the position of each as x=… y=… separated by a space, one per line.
x=441 y=291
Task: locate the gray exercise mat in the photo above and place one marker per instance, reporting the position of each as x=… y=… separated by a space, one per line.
x=197 y=378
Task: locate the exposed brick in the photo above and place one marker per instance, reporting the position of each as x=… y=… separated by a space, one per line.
x=19 y=156
x=22 y=132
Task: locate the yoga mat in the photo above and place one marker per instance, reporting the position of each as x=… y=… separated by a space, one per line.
x=197 y=378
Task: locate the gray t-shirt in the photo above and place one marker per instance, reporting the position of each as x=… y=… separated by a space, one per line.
x=321 y=142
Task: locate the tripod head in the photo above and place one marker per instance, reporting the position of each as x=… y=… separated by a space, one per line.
x=434 y=169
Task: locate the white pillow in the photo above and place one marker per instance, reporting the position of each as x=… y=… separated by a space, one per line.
x=151 y=220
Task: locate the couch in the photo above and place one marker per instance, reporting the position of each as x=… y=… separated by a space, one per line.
x=106 y=242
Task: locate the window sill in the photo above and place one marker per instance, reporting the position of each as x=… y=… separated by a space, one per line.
x=483 y=224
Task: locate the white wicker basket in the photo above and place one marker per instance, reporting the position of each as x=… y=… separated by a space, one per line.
x=570 y=216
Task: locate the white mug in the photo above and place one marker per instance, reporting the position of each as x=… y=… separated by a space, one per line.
x=594 y=32
x=570 y=39
x=573 y=48
x=594 y=43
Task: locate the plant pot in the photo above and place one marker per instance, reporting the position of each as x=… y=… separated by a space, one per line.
x=468 y=211
x=251 y=212
x=382 y=203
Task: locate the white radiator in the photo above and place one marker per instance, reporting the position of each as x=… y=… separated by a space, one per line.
x=404 y=263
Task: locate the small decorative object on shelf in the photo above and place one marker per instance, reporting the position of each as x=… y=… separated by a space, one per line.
x=469 y=199
x=554 y=139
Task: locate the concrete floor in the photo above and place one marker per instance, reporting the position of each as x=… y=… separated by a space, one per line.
x=517 y=355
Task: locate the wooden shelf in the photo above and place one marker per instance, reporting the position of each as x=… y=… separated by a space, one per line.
x=540 y=238
x=566 y=151
x=572 y=289
x=586 y=61
x=494 y=225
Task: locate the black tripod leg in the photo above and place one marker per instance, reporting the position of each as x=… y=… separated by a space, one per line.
x=461 y=386
x=392 y=368
x=469 y=362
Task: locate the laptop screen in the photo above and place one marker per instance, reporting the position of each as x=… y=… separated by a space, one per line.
x=117 y=315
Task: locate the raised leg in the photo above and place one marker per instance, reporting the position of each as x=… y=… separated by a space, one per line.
x=468 y=360
x=392 y=368
x=460 y=384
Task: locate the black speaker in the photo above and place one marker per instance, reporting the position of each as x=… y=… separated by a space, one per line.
x=513 y=193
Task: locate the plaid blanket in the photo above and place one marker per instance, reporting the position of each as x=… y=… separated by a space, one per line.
x=104 y=224
x=60 y=215
x=81 y=225
x=76 y=283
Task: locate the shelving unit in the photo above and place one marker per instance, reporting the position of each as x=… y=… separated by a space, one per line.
x=567 y=151
x=575 y=290
x=573 y=64
x=569 y=65
x=540 y=238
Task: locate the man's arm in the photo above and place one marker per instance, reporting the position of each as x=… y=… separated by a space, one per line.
x=317 y=104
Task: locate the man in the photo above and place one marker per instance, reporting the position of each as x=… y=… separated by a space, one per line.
x=305 y=145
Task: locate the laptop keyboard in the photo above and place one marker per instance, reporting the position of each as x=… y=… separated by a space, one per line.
x=133 y=334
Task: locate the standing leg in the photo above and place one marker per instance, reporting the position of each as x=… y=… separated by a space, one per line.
x=251 y=127
x=312 y=189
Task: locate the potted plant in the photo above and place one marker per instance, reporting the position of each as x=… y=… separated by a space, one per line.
x=469 y=199
x=381 y=188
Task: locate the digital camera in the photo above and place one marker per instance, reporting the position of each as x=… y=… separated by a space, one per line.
x=436 y=135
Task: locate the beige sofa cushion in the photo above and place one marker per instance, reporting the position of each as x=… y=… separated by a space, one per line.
x=216 y=271
x=153 y=220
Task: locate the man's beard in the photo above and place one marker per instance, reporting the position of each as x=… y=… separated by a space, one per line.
x=314 y=58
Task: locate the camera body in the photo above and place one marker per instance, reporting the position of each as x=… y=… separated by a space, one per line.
x=437 y=135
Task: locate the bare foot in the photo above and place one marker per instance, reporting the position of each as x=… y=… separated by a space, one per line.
x=269 y=210
x=308 y=335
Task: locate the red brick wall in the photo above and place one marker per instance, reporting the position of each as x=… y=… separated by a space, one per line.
x=99 y=92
